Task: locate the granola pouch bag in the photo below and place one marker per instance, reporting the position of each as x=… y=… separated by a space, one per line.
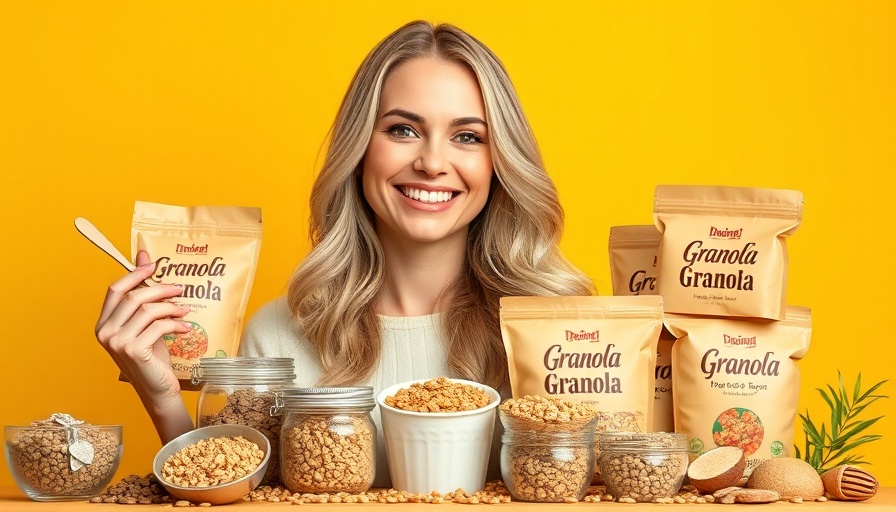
x=736 y=382
x=212 y=252
x=723 y=250
x=634 y=253
x=598 y=349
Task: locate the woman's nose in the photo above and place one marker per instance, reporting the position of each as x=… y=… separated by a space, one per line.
x=432 y=160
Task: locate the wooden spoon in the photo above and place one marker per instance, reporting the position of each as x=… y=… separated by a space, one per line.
x=90 y=232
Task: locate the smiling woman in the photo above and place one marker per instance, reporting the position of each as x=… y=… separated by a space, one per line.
x=428 y=167
x=432 y=203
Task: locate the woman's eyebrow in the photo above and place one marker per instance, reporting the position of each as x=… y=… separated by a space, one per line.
x=417 y=118
x=460 y=121
x=410 y=116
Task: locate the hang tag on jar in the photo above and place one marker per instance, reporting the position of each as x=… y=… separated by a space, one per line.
x=82 y=451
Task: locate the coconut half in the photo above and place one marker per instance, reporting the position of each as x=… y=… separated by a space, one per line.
x=717 y=468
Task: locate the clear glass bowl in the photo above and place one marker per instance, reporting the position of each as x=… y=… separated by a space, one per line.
x=47 y=462
x=642 y=466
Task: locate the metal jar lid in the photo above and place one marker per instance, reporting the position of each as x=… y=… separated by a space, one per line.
x=244 y=370
x=327 y=400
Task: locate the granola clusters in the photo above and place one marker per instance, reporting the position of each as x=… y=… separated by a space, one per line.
x=493 y=493
x=439 y=395
x=212 y=461
x=548 y=473
x=323 y=454
x=643 y=467
x=42 y=456
x=134 y=490
x=548 y=448
x=537 y=413
x=252 y=408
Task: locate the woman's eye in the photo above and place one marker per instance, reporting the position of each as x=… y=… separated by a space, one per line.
x=401 y=131
x=468 y=138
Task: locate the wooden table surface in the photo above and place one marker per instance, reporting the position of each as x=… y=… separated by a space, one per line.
x=13 y=500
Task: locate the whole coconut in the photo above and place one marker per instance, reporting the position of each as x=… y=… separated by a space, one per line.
x=788 y=476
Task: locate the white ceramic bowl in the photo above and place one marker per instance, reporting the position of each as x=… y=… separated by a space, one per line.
x=438 y=451
x=217 y=494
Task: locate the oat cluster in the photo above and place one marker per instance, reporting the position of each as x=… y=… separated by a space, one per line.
x=252 y=408
x=322 y=454
x=39 y=455
x=439 y=395
x=547 y=473
x=534 y=412
x=212 y=461
x=134 y=490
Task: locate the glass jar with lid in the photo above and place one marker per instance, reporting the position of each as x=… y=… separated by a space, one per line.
x=643 y=466
x=328 y=439
x=242 y=390
x=549 y=465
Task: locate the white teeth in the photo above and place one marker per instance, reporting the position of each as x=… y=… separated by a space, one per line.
x=425 y=196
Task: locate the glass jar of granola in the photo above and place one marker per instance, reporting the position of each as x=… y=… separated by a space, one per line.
x=643 y=467
x=328 y=439
x=551 y=466
x=242 y=390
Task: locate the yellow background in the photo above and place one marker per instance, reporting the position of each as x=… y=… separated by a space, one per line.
x=106 y=102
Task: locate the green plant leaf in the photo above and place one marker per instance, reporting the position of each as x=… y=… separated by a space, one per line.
x=858 y=442
x=847 y=435
x=828 y=445
x=844 y=397
x=811 y=432
x=873 y=389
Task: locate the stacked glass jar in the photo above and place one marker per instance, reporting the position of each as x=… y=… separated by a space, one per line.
x=642 y=466
x=243 y=390
x=328 y=439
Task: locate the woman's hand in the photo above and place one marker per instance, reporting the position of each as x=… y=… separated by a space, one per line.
x=132 y=322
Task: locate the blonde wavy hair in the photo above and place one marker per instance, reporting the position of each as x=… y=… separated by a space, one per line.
x=512 y=248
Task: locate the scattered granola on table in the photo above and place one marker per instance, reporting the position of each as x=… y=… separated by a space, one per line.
x=134 y=490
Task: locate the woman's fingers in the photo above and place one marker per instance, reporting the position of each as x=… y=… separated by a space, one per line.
x=119 y=308
x=136 y=312
x=120 y=288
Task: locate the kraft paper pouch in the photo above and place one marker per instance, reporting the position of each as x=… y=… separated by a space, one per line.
x=736 y=382
x=212 y=251
x=600 y=350
x=634 y=253
x=723 y=250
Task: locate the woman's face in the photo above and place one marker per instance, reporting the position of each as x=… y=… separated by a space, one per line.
x=428 y=167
